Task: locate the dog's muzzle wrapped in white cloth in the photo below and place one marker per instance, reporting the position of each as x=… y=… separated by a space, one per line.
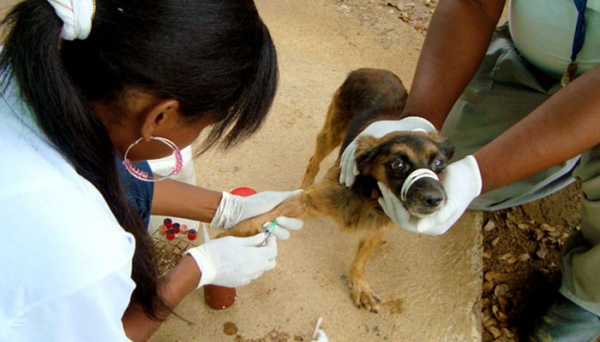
x=413 y=177
x=462 y=184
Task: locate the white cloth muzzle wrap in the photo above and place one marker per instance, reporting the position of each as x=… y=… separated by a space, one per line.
x=76 y=16
x=412 y=178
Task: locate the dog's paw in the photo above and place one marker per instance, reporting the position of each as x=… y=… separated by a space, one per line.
x=364 y=296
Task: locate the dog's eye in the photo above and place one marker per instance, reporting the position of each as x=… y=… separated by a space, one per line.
x=437 y=164
x=398 y=165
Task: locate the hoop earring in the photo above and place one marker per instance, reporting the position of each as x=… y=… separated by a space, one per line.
x=143 y=175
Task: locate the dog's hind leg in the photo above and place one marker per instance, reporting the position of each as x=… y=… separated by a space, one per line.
x=331 y=136
x=326 y=142
x=362 y=294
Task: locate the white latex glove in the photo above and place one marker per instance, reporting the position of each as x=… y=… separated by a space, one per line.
x=462 y=183
x=233 y=261
x=234 y=209
x=282 y=227
x=378 y=129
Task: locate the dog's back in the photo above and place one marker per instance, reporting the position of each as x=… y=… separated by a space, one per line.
x=368 y=95
x=368 y=89
x=365 y=96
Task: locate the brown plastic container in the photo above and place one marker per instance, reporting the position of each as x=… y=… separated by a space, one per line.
x=219 y=297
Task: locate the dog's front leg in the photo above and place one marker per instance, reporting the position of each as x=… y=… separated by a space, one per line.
x=291 y=207
x=362 y=294
x=250 y=226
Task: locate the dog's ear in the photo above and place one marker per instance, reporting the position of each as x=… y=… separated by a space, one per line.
x=366 y=151
x=446 y=147
x=443 y=144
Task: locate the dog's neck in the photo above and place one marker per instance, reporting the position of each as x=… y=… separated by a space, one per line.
x=366 y=187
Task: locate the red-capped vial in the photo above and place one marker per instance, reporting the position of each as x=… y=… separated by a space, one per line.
x=168 y=223
x=170 y=234
x=243 y=191
x=176 y=228
x=192 y=234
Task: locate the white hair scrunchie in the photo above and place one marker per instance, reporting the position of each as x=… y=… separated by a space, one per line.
x=77 y=17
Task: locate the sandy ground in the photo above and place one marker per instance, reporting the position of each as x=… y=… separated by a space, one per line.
x=430 y=286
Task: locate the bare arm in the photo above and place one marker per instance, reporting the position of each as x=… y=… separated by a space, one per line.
x=173 y=198
x=457 y=39
x=564 y=126
x=561 y=128
x=179 y=282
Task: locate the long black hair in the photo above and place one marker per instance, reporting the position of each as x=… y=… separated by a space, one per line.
x=215 y=57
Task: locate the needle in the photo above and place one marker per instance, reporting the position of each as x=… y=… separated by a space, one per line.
x=268 y=232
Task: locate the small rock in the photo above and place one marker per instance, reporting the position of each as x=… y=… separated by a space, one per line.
x=495 y=241
x=501 y=290
x=490 y=225
x=542 y=251
x=494 y=331
x=547 y=228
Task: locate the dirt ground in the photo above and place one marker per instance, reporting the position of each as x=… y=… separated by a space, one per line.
x=520 y=261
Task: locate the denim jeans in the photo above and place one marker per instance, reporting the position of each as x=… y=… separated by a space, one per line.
x=139 y=193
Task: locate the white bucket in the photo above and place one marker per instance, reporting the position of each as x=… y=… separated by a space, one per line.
x=187 y=175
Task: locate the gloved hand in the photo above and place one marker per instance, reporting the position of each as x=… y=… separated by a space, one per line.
x=234 y=209
x=462 y=183
x=378 y=129
x=233 y=261
x=283 y=226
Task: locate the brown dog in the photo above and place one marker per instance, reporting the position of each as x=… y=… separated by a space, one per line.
x=366 y=96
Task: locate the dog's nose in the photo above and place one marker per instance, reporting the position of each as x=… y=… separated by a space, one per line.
x=432 y=200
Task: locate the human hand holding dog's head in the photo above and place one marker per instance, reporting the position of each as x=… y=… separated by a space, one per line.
x=378 y=129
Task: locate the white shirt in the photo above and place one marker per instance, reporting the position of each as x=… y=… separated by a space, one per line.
x=543 y=32
x=65 y=262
